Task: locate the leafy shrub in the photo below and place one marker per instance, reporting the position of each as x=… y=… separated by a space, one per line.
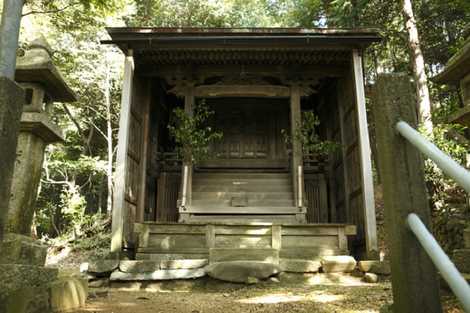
x=193 y=134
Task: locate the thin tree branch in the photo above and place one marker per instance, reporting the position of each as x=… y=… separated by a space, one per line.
x=51 y=11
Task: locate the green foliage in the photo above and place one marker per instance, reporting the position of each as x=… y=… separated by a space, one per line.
x=192 y=134
x=448 y=201
x=306 y=134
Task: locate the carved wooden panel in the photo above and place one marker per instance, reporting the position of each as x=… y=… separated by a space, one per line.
x=251 y=131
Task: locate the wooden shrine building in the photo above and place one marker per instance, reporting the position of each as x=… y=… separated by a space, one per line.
x=253 y=192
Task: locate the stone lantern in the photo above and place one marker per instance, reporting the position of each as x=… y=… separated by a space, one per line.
x=43 y=85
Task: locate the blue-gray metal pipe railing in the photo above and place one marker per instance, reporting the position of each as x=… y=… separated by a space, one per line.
x=440 y=259
x=443 y=161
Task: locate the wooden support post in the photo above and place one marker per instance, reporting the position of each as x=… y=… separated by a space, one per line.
x=276 y=237
x=189 y=109
x=295 y=123
x=414 y=279
x=210 y=236
x=366 y=164
x=119 y=201
x=142 y=204
x=344 y=216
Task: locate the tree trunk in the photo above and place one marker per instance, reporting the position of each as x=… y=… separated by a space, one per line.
x=109 y=139
x=9 y=34
x=419 y=71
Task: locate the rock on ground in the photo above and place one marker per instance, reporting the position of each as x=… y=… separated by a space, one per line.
x=338 y=263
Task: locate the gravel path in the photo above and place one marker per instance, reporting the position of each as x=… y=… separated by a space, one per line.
x=363 y=298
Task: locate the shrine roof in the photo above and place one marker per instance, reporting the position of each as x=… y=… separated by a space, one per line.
x=143 y=40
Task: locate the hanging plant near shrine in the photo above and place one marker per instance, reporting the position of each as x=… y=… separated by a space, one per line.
x=193 y=135
x=306 y=134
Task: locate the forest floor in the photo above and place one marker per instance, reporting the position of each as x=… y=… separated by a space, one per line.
x=352 y=297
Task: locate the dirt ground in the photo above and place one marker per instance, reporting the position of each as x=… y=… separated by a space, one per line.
x=264 y=298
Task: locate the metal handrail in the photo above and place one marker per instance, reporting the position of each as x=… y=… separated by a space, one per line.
x=449 y=166
x=442 y=160
x=449 y=272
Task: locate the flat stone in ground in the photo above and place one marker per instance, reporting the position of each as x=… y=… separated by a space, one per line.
x=158 y=275
x=461 y=259
x=299 y=266
x=144 y=266
x=338 y=264
x=242 y=271
x=20 y=249
x=376 y=267
x=371 y=278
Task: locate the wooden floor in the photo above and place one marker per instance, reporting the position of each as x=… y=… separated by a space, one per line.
x=234 y=241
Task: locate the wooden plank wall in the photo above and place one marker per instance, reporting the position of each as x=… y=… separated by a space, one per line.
x=168 y=186
x=317 y=198
x=330 y=129
x=351 y=156
x=135 y=148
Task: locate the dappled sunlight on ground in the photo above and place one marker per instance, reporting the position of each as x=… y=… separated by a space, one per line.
x=273 y=298
x=212 y=297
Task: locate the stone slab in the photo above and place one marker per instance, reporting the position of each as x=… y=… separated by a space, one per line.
x=338 y=263
x=142 y=266
x=299 y=266
x=226 y=255
x=101 y=266
x=68 y=293
x=461 y=259
x=376 y=267
x=20 y=249
x=242 y=271
x=159 y=275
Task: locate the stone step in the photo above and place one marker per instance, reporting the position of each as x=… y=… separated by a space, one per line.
x=146 y=266
x=159 y=275
x=338 y=264
x=249 y=194
x=230 y=254
x=299 y=265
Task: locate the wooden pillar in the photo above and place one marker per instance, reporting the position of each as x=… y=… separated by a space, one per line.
x=187 y=159
x=414 y=279
x=295 y=123
x=119 y=201
x=144 y=159
x=370 y=226
x=344 y=215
